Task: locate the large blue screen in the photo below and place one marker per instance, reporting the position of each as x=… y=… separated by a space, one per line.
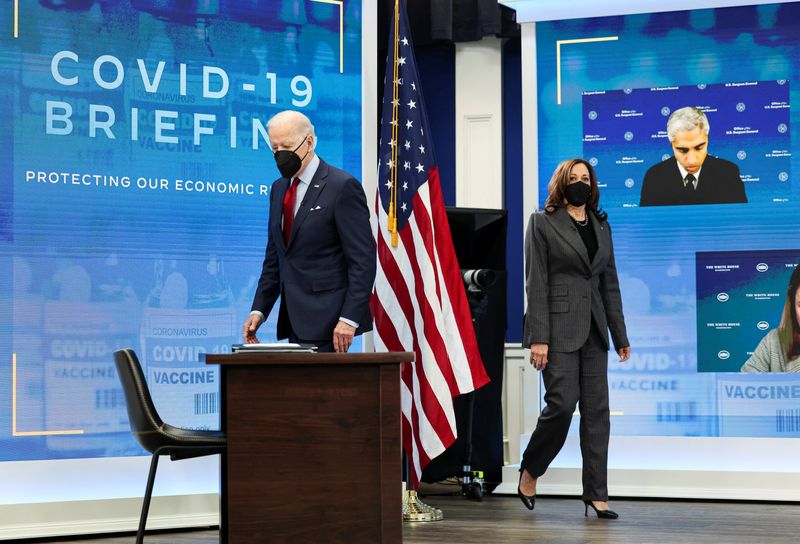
x=648 y=64
x=135 y=177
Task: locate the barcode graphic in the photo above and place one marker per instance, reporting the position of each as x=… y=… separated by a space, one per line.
x=676 y=411
x=206 y=403
x=787 y=421
x=108 y=399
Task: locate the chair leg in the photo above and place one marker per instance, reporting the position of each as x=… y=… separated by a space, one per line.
x=151 y=478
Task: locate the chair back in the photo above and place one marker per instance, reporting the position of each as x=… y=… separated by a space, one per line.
x=144 y=420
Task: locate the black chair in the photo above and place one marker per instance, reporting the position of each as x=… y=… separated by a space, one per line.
x=154 y=435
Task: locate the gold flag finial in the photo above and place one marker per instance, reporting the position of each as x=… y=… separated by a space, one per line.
x=393 y=223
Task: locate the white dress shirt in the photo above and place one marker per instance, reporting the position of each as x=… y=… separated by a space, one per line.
x=305 y=180
x=684 y=173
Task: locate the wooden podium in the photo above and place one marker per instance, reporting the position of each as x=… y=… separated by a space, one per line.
x=314 y=450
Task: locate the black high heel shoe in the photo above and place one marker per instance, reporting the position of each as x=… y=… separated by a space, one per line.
x=604 y=514
x=528 y=500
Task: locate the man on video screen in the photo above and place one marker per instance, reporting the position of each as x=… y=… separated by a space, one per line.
x=691 y=176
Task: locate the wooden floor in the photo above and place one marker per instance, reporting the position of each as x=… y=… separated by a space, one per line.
x=504 y=519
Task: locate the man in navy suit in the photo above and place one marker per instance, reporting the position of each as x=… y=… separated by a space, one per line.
x=692 y=176
x=320 y=254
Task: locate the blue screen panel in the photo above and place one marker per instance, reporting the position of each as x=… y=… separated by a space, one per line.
x=607 y=101
x=134 y=196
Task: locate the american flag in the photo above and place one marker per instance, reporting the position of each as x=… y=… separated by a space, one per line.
x=419 y=303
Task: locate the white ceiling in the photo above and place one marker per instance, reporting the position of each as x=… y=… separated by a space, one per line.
x=551 y=10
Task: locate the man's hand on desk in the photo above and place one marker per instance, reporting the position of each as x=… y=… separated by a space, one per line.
x=343 y=336
x=250 y=328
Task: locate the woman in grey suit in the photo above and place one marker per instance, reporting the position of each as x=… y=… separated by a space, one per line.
x=573 y=302
x=779 y=350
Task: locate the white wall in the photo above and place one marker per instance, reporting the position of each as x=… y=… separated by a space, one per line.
x=479 y=124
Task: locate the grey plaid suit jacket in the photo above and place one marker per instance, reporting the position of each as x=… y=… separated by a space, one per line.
x=565 y=291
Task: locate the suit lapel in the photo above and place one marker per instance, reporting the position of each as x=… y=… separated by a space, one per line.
x=569 y=233
x=679 y=190
x=708 y=175
x=599 y=235
x=312 y=194
x=276 y=212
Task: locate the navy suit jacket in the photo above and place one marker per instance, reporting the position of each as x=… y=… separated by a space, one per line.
x=327 y=269
x=720 y=183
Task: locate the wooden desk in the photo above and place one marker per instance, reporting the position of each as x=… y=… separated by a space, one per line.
x=314 y=450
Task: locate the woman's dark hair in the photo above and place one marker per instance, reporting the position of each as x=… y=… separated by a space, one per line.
x=559 y=182
x=789 y=329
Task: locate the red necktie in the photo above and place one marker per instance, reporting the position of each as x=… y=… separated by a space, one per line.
x=288 y=209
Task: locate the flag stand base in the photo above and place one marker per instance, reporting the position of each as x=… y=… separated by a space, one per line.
x=416 y=510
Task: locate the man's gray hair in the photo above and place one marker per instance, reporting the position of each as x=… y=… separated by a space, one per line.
x=686 y=119
x=302 y=124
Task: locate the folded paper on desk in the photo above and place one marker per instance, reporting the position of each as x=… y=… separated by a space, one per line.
x=274 y=346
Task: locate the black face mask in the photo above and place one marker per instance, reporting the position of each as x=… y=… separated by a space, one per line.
x=578 y=194
x=289 y=162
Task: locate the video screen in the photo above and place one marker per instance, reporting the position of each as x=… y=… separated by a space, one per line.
x=747 y=311
x=745 y=157
x=606 y=89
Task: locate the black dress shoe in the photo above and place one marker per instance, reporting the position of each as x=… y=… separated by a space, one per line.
x=528 y=500
x=604 y=514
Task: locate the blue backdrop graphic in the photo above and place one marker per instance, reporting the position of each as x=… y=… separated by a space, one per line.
x=659 y=391
x=740 y=297
x=134 y=196
x=625 y=133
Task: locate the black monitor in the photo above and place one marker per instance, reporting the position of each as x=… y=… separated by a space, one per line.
x=479 y=237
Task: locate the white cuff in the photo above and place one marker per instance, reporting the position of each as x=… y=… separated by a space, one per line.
x=349 y=322
x=259 y=314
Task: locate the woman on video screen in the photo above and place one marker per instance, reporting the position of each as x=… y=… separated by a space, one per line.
x=779 y=350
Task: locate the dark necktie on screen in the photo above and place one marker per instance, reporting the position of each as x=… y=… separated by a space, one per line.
x=288 y=209
x=690 y=182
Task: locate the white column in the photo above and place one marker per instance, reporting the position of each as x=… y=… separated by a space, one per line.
x=369 y=117
x=530 y=118
x=369 y=99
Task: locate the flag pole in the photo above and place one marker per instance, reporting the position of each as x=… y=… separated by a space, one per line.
x=413 y=508
x=395 y=127
x=420 y=300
